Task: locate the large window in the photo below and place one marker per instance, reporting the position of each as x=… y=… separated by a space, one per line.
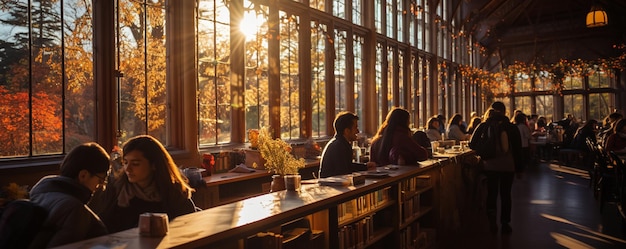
x=47 y=97
x=192 y=76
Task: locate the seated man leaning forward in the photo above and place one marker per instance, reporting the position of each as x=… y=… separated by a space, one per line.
x=337 y=155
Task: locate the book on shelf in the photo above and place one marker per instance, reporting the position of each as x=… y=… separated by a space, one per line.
x=264 y=240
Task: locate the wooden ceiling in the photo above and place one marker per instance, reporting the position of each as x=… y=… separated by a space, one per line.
x=542 y=31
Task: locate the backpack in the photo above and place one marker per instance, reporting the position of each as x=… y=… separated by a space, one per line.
x=486 y=140
x=20 y=222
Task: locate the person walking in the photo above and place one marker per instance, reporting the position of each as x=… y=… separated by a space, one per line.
x=501 y=162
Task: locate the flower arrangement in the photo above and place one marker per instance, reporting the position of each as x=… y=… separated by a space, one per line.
x=277 y=155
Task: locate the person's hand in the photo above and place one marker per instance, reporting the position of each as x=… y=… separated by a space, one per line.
x=371 y=165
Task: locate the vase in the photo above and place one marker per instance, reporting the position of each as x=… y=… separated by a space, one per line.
x=278 y=183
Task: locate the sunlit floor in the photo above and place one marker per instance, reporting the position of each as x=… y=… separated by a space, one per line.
x=553 y=207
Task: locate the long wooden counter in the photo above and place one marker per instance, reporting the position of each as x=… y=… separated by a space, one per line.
x=228 y=225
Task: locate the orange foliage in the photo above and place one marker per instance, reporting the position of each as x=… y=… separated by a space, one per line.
x=14 y=122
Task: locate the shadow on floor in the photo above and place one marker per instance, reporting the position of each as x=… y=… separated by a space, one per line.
x=553 y=207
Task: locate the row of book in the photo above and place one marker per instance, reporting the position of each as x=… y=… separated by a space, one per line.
x=362 y=204
x=415 y=183
x=415 y=237
x=411 y=207
x=356 y=235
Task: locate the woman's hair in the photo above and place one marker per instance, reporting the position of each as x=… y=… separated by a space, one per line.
x=166 y=173
x=397 y=118
x=455 y=120
x=474 y=122
x=489 y=113
x=88 y=156
x=520 y=118
x=590 y=125
x=430 y=123
x=619 y=125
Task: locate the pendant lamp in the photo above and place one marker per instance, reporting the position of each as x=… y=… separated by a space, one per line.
x=596 y=17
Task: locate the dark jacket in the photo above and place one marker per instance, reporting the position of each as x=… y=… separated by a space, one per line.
x=337 y=158
x=117 y=218
x=515 y=139
x=69 y=219
x=402 y=145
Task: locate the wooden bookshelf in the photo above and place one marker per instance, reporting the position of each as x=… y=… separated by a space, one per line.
x=378 y=223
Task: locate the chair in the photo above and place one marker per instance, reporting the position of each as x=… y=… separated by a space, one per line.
x=620 y=183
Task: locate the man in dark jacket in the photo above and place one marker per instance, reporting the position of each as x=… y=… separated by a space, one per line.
x=501 y=169
x=337 y=155
x=65 y=196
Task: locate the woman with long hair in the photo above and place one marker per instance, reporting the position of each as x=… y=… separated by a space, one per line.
x=151 y=182
x=393 y=143
x=454 y=130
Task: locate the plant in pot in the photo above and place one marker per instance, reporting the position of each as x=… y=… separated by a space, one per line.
x=278 y=158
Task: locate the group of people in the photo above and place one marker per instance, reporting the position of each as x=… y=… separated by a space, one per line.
x=87 y=199
x=394 y=143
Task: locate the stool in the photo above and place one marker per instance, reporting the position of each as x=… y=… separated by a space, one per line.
x=570 y=157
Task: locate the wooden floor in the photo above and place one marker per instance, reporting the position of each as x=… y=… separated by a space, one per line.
x=553 y=207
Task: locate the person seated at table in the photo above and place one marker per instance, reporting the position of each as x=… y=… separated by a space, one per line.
x=337 y=154
x=474 y=122
x=83 y=170
x=432 y=129
x=151 y=183
x=454 y=129
x=393 y=143
x=609 y=126
x=521 y=121
x=616 y=142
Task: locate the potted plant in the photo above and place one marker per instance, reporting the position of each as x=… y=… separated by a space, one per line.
x=278 y=158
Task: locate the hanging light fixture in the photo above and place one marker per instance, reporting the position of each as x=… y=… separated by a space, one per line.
x=596 y=17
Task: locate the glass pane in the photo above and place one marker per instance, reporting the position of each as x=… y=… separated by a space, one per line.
x=599 y=79
x=340 y=71
x=14 y=91
x=545 y=106
x=358 y=78
x=156 y=69
x=213 y=72
x=131 y=58
x=572 y=82
x=389 y=14
x=522 y=82
x=400 y=72
x=289 y=77
x=378 y=18
x=543 y=82
x=339 y=8
x=47 y=80
x=317 y=4
x=599 y=105
x=390 y=82
x=523 y=104
x=357 y=6
x=573 y=104
x=256 y=75
x=318 y=82
x=399 y=16
x=79 y=82
x=381 y=96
